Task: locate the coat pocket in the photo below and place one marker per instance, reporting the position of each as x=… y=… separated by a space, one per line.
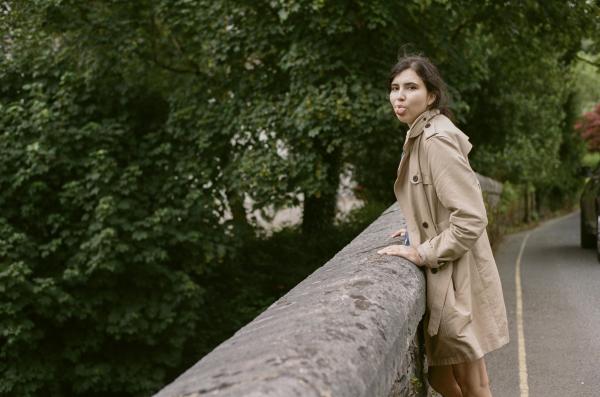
x=443 y=225
x=456 y=314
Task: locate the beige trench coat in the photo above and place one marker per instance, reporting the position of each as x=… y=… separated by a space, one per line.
x=441 y=198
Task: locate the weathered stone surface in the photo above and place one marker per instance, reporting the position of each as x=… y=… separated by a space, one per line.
x=348 y=329
x=410 y=382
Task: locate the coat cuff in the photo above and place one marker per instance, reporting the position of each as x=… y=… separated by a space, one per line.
x=428 y=255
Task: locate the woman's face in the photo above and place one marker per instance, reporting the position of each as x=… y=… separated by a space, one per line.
x=409 y=96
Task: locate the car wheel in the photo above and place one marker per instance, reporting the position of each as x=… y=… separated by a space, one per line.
x=588 y=240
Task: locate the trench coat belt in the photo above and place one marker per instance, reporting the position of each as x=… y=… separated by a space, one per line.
x=442 y=279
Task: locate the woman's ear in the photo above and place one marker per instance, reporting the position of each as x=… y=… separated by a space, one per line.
x=430 y=98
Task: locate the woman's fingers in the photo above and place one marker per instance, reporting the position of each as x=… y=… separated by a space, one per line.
x=403 y=251
x=395 y=249
x=399 y=233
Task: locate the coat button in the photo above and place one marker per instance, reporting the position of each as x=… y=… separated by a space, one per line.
x=415 y=178
x=427 y=125
x=425 y=225
x=434 y=270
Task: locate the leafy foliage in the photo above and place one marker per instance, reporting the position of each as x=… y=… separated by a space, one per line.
x=132 y=132
x=105 y=224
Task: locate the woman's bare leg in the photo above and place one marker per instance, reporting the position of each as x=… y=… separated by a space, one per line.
x=472 y=378
x=441 y=378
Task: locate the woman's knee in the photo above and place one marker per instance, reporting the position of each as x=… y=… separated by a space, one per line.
x=472 y=386
x=441 y=379
x=472 y=377
x=435 y=381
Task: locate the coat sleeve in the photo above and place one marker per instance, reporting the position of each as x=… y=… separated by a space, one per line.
x=458 y=190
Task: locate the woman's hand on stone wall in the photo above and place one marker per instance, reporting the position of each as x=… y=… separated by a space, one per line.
x=403 y=251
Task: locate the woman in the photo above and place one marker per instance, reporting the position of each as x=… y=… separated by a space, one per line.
x=441 y=199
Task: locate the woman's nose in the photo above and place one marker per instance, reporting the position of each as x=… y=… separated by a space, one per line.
x=400 y=96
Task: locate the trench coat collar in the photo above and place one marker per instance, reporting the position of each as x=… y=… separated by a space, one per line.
x=417 y=126
x=415 y=130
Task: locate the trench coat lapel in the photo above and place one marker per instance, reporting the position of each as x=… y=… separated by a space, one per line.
x=415 y=130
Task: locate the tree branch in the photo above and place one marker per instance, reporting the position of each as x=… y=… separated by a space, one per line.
x=596 y=64
x=171 y=68
x=161 y=31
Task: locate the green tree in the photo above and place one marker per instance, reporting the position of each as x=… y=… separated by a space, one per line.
x=132 y=132
x=107 y=190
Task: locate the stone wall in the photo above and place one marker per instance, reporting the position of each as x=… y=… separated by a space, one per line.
x=348 y=329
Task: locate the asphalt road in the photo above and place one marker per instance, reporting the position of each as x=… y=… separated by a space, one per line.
x=560 y=284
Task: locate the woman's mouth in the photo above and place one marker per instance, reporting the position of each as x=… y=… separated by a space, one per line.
x=400 y=110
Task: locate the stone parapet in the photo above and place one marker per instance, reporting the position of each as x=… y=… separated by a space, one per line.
x=348 y=329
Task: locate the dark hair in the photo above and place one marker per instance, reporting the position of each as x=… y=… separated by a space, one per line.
x=430 y=76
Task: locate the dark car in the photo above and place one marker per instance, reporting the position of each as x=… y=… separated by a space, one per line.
x=590 y=212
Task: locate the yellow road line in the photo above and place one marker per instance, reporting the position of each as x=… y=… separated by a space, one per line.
x=523 y=385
